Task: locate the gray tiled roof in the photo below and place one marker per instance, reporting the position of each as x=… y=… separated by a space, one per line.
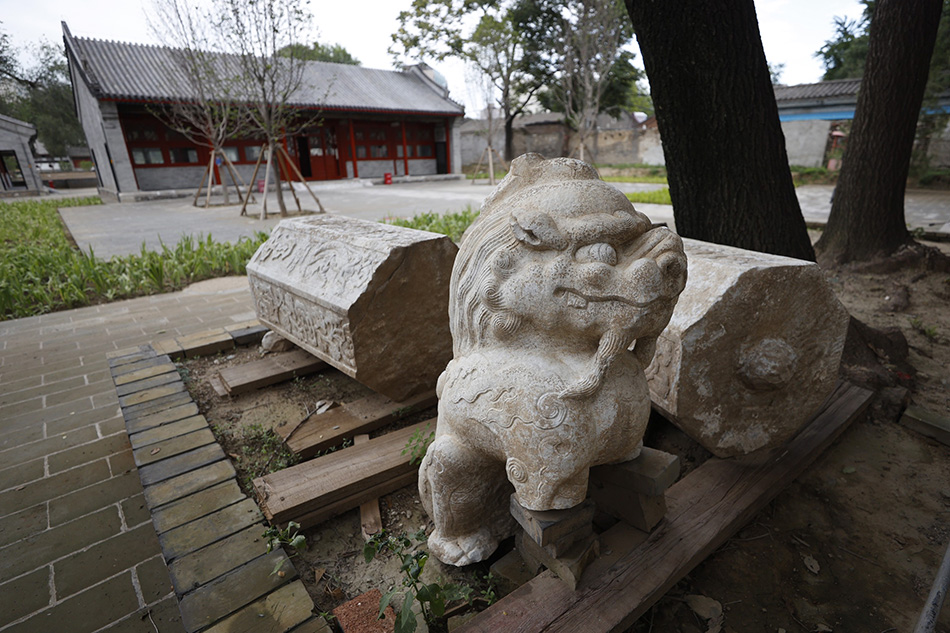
x=841 y=88
x=138 y=72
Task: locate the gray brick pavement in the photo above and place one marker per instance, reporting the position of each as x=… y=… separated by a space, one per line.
x=78 y=552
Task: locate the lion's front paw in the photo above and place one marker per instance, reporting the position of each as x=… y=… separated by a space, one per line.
x=462 y=550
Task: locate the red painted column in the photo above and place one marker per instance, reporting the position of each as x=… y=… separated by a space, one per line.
x=405 y=150
x=356 y=169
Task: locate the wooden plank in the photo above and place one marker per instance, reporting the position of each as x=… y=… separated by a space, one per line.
x=269 y=370
x=376 y=491
x=308 y=487
x=927 y=423
x=705 y=509
x=361 y=416
x=371 y=523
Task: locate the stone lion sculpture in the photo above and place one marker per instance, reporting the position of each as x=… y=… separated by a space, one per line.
x=557 y=296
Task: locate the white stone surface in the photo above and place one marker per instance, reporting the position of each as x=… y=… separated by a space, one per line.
x=554 y=283
x=752 y=349
x=368 y=298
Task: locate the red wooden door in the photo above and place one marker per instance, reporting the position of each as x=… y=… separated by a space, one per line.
x=324 y=154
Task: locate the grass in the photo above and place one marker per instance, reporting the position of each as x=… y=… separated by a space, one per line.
x=41 y=271
x=451 y=224
x=660 y=196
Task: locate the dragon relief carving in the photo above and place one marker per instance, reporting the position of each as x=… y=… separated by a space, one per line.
x=557 y=296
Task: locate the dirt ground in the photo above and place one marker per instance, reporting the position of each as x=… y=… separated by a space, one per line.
x=852 y=545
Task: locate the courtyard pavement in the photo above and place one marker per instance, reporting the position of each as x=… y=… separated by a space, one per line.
x=122 y=228
x=78 y=552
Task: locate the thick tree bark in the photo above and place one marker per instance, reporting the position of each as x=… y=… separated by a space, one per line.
x=715 y=108
x=867 y=216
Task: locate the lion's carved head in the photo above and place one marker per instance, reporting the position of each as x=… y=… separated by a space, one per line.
x=558 y=254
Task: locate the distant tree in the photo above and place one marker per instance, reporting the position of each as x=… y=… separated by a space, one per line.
x=8 y=63
x=716 y=112
x=42 y=95
x=501 y=39
x=775 y=72
x=867 y=215
x=621 y=94
x=318 y=52
x=843 y=55
x=208 y=109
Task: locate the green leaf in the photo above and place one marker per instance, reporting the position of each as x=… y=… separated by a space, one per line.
x=406 y=622
x=384 y=602
x=369 y=551
x=299 y=542
x=278 y=565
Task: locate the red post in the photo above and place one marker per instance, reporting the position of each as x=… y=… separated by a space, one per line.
x=356 y=170
x=405 y=150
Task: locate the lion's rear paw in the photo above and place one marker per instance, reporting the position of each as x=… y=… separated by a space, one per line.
x=462 y=550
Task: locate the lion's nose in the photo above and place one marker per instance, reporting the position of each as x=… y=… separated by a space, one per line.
x=597 y=253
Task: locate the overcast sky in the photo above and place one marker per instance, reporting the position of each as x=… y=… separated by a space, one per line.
x=792 y=30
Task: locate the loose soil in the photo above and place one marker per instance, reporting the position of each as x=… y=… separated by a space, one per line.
x=851 y=545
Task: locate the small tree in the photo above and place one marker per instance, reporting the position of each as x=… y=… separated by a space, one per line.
x=207 y=110
x=334 y=53
x=271 y=73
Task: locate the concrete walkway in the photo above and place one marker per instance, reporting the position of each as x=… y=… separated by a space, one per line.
x=120 y=229
x=78 y=552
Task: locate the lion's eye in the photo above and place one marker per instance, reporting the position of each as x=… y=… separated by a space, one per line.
x=601 y=253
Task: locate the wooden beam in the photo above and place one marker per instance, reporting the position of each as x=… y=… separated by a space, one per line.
x=329 y=429
x=342 y=476
x=371 y=523
x=269 y=370
x=705 y=508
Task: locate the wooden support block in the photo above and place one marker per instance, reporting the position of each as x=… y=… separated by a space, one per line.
x=650 y=474
x=324 y=430
x=342 y=476
x=641 y=511
x=269 y=370
x=550 y=527
x=218 y=385
x=570 y=566
x=371 y=523
x=511 y=571
x=927 y=423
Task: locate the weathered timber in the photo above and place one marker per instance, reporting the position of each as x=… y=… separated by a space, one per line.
x=316 y=517
x=569 y=565
x=324 y=430
x=547 y=527
x=269 y=370
x=650 y=474
x=927 y=423
x=704 y=510
x=370 y=520
x=641 y=511
x=295 y=492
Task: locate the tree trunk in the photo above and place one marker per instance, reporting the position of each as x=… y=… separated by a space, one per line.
x=867 y=215
x=715 y=109
x=509 y=137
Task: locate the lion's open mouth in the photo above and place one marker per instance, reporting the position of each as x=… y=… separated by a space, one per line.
x=579 y=300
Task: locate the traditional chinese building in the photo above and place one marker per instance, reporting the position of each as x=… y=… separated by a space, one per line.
x=367 y=122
